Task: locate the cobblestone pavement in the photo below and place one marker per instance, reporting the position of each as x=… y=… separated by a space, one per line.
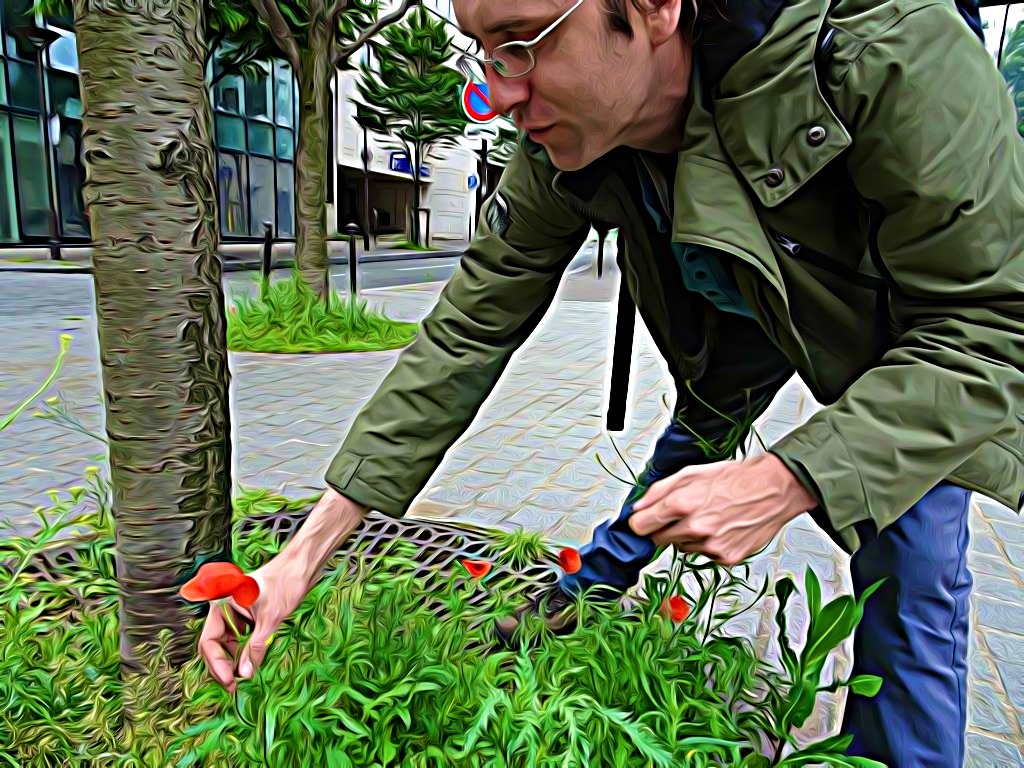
x=528 y=459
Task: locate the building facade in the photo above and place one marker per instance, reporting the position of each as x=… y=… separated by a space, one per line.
x=41 y=170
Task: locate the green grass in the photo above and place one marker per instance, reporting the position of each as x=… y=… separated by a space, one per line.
x=366 y=674
x=290 y=319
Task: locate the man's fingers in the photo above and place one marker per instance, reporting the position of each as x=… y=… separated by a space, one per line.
x=682 y=535
x=219 y=662
x=654 y=518
x=654 y=493
x=255 y=650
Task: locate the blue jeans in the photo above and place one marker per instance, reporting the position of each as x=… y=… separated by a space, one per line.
x=913 y=633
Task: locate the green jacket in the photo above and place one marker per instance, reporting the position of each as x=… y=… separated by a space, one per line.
x=871 y=210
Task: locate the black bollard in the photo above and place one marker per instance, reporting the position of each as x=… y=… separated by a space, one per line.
x=268 y=257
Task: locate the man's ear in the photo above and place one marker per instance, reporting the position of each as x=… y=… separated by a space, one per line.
x=662 y=18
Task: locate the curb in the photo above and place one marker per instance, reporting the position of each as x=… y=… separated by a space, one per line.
x=237 y=265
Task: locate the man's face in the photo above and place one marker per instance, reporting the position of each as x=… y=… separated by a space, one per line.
x=589 y=84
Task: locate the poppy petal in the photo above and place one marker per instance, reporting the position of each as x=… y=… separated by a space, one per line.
x=214 y=581
x=675 y=608
x=477 y=568
x=247 y=592
x=569 y=560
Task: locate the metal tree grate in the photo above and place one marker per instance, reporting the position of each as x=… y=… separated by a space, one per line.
x=439 y=546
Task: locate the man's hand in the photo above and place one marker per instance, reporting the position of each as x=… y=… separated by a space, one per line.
x=284 y=583
x=726 y=511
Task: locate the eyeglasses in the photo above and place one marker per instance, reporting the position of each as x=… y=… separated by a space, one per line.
x=516 y=59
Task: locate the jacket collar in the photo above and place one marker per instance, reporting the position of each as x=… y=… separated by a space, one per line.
x=770 y=111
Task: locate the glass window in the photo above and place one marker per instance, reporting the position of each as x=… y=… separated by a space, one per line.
x=70 y=178
x=228 y=94
x=285 y=200
x=230 y=133
x=24 y=87
x=231 y=182
x=3 y=81
x=285 y=144
x=261 y=177
x=8 y=200
x=261 y=139
x=64 y=95
x=63 y=52
x=257 y=96
x=283 y=94
x=29 y=155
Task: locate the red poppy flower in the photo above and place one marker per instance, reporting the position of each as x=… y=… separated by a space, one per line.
x=217 y=581
x=477 y=568
x=675 y=608
x=569 y=560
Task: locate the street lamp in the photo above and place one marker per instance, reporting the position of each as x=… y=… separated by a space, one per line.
x=40 y=38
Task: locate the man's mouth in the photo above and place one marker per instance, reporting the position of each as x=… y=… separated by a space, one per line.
x=539 y=132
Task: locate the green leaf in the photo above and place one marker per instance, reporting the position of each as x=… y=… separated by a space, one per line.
x=866 y=685
x=835 y=623
x=812 y=591
x=784 y=589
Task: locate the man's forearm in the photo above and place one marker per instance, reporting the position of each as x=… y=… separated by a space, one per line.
x=328 y=526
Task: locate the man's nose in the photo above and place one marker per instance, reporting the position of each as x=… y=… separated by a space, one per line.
x=507 y=94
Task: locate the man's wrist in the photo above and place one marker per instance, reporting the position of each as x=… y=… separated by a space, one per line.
x=799 y=497
x=327 y=527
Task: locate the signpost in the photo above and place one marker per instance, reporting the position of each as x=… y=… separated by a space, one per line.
x=485 y=133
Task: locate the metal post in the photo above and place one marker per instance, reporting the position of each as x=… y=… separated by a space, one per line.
x=602 y=234
x=483 y=180
x=40 y=38
x=267 y=266
x=367 y=157
x=352 y=230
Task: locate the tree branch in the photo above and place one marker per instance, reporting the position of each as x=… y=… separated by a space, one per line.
x=343 y=52
x=274 y=19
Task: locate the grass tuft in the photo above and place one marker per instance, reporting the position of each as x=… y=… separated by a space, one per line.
x=289 y=318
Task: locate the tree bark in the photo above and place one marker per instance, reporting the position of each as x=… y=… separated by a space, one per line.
x=311 y=161
x=151 y=196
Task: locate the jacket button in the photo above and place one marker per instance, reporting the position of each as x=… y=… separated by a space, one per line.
x=775 y=177
x=816 y=135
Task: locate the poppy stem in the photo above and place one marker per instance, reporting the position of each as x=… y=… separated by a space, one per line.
x=230 y=621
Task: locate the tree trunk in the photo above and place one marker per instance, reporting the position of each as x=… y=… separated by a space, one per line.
x=311 y=161
x=151 y=199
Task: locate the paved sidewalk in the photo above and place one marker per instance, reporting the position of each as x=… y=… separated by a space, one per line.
x=529 y=459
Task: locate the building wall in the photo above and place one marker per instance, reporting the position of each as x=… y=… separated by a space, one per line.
x=445 y=188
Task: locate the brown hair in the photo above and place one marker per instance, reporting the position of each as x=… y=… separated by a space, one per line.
x=618 y=14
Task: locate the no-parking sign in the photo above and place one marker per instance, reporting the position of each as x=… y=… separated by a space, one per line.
x=476 y=103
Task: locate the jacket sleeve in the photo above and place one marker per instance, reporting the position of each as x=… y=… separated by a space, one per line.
x=935 y=145
x=502 y=288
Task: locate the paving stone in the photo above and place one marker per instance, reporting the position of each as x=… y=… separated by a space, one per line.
x=1005 y=646
x=987 y=752
x=1012 y=675
x=988 y=711
x=999 y=614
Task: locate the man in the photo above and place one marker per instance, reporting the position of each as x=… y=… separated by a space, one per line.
x=834 y=192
